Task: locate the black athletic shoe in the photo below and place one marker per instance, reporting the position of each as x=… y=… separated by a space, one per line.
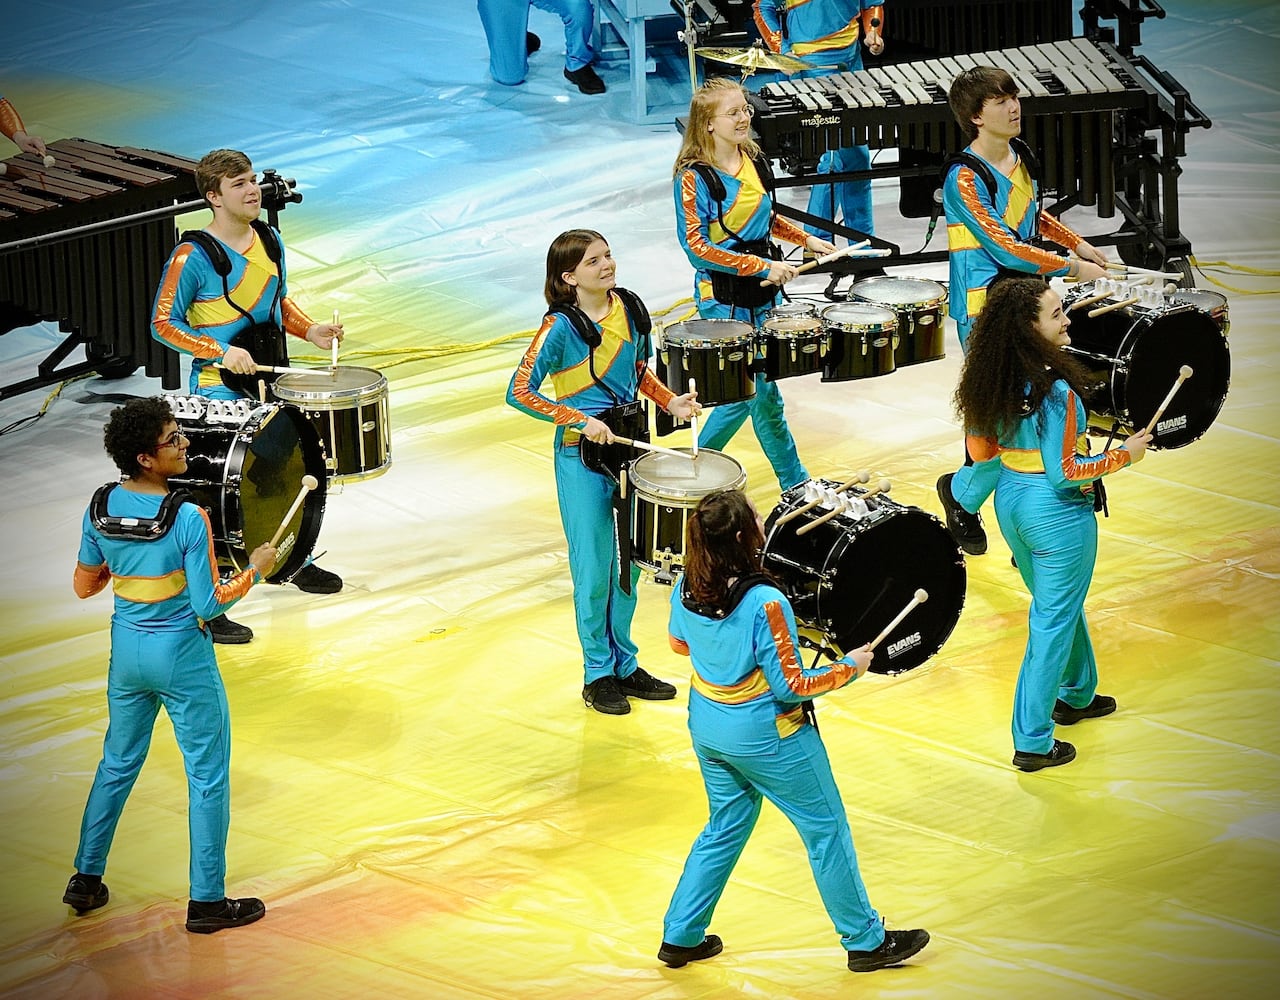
x=86 y=892
x=206 y=918
x=230 y=633
x=965 y=528
x=1065 y=715
x=1062 y=752
x=531 y=42
x=604 y=695
x=676 y=957
x=585 y=79
x=896 y=948
x=314 y=580
x=642 y=684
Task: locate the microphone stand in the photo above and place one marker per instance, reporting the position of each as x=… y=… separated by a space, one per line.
x=690 y=38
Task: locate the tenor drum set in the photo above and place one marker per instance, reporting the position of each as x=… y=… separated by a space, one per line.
x=887 y=323
x=247 y=458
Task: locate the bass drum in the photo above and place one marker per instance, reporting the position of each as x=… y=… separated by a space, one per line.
x=245 y=465
x=848 y=578
x=1133 y=356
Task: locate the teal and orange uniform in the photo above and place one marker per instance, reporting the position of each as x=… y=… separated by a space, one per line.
x=164 y=590
x=985 y=235
x=602 y=610
x=752 y=740
x=748 y=211
x=1043 y=477
x=191 y=314
x=826 y=33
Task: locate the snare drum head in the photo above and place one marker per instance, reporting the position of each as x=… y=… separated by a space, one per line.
x=859 y=317
x=330 y=388
x=707 y=332
x=792 y=326
x=660 y=476
x=918 y=293
x=787 y=310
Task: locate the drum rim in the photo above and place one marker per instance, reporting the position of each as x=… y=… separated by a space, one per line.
x=317 y=396
x=650 y=490
x=745 y=338
x=916 y=305
x=791 y=334
x=889 y=325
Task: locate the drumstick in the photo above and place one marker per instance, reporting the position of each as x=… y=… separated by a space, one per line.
x=1184 y=373
x=262 y=392
x=920 y=597
x=646 y=446
x=1090 y=300
x=1118 y=266
x=1112 y=307
x=834 y=512
x=693 y=417
x=309 y=483
x=844 y=252
x=791 y=515
x=333 y=345
x=884 y=486
x=279 y=370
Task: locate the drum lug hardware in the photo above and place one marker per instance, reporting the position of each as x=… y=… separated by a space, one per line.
x=664 y=574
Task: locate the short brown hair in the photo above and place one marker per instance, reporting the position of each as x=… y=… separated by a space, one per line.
x=216 y=165
x=972 y=89
x=565 y=254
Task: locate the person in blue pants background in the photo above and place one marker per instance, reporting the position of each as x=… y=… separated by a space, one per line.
x=506 y=28
x=1020 y=400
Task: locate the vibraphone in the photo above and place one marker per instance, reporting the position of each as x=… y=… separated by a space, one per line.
x=97 y=286
x=1073 y=91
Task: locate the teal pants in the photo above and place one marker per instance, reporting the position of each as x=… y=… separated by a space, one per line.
x=179 y=671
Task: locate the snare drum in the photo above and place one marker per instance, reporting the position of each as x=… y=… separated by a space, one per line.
x=920 y=305
x=1134 y=355
x=348 y=409
x=719 y=353
x=665 y=490
x=245 y=465
x=848 y=578
x=863 y=338
x=791 y=341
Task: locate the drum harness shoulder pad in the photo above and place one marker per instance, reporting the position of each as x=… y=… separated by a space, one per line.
x=980 y=167
x=136 y=529
x=734 y=289
x=585 y=328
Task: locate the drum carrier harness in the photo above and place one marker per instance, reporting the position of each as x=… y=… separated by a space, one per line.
x=265 y=341
x=743 y=291
x=136 y=529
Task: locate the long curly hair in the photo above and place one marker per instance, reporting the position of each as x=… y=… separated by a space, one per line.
x=1010 y=367
x=723 y=543
x=698 y=146
x=133 y=430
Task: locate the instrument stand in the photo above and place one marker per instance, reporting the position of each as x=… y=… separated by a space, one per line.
x=689 y=35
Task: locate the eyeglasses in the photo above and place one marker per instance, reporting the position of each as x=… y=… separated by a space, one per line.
x=175 y=440
x=748 y=112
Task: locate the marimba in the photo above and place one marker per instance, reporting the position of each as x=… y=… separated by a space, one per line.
x=97 y=286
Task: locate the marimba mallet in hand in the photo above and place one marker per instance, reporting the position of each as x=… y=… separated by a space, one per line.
x=791 y=515
x=309 y=483
x=920 y=597
x=1184 y=373
x=834 y=255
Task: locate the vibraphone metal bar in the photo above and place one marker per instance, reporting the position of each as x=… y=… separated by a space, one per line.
x=97 y=287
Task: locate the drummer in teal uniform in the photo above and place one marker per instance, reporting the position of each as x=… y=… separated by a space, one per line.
x=200 y=312
x=724 y=220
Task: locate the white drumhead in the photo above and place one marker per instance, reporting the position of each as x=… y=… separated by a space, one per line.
x=666 y=477
x=708 y=332
x=331 y=388
x=859 y=317
x=918 y=292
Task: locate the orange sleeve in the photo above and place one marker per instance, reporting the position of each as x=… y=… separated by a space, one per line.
x=296 y=322
x=90 y=580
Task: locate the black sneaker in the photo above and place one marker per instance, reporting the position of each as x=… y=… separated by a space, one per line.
x=314 y=580
x=206 y=918
x=1065 y=715
x=676 y=957
x=1062 y=752
x=965 y=528
x=895 y=949
x=605 y=696
x=642 y=684
x=230 y=633
x=86 y=892
x=585 y=79
x=531 y=43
